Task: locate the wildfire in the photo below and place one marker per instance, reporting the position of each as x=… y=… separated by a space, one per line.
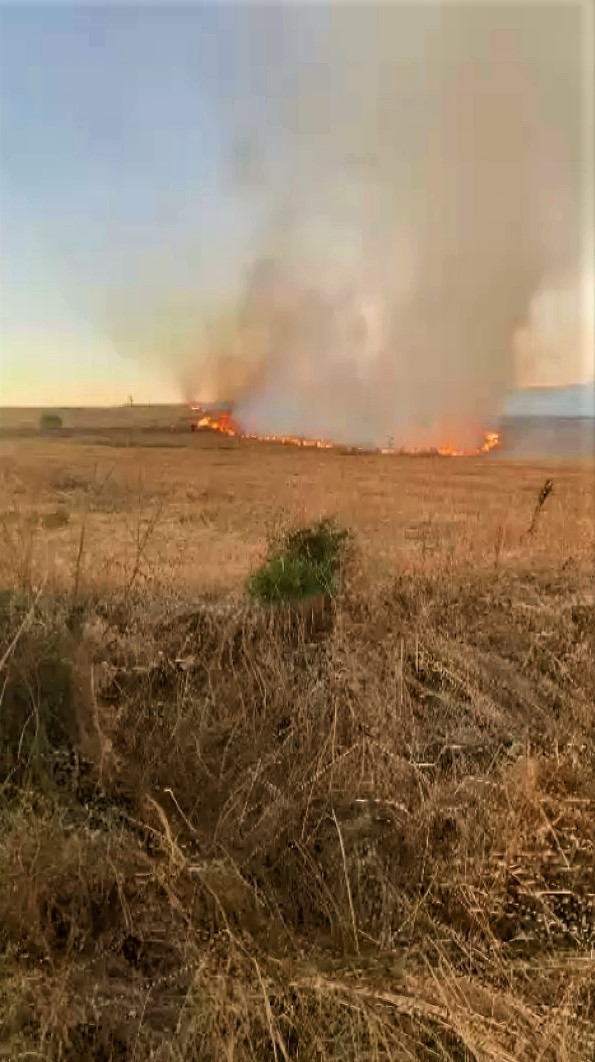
x=491 y=442
x=223 y=423
x=294 y=440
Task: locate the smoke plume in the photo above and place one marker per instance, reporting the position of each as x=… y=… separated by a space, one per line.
x=413 y=178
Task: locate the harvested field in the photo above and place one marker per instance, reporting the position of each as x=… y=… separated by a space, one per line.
x=229 y=836
x=205 y=507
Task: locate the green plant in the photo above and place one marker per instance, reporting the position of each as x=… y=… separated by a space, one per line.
x=50 y=422
x=306 y=563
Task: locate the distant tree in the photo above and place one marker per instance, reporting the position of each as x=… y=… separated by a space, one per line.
x=50 y=422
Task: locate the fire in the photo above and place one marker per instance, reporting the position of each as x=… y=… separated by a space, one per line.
x=491 y=442
x=223 y=422
x=294 y=440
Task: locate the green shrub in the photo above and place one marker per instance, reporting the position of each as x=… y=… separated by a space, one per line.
x=50 y=422
x=306 y=563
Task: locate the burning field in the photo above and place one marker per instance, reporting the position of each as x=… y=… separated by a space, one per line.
x=222 y=421
x=297 y=733
x=225 y=424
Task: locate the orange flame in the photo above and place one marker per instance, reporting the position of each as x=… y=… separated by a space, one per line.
x=491 y=442
x=223 y=422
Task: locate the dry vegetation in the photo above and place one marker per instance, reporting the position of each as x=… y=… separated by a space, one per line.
x=240 y=833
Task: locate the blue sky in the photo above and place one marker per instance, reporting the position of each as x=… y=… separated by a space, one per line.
x=118 y=132
x=111 y=156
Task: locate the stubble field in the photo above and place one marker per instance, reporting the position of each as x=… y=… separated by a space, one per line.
x=204 y=508
x=231 y=832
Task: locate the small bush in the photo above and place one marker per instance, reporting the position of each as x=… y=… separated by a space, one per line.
x=50 y=422
x=305 y=564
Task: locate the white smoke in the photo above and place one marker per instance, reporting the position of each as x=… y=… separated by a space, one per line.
x=556 y=346
x=414 y=177
x=430 y=181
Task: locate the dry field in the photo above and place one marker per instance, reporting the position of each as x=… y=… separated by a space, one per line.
x=204 y=509
x=235 y=833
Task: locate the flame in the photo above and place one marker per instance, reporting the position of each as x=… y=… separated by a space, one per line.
x=294 y=440
x=491 y=442
x=223 y=422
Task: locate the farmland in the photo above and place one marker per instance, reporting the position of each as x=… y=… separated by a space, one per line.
x=208 y=504
x=226 y=836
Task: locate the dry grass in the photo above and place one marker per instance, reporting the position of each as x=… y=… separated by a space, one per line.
x=227 y=837
x=211 y=509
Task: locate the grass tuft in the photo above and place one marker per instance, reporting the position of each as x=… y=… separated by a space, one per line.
x=305 y=564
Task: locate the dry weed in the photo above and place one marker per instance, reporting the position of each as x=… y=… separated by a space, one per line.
x=247 y=835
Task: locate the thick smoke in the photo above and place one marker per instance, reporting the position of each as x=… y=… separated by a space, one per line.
x=415 y=175
x=555 y=346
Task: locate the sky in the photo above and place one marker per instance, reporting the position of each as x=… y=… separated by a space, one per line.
x=127 y=159
x=109 y=151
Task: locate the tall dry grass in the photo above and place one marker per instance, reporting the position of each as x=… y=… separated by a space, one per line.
x=231 y=833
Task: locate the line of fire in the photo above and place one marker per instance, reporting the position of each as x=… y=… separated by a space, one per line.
x=220 y=419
